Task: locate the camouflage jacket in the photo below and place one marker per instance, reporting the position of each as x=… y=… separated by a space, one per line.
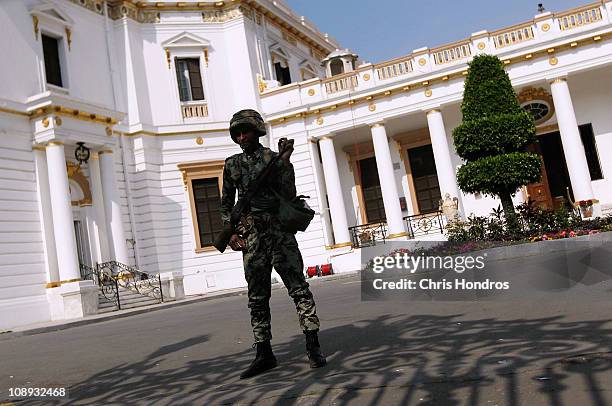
x=242 y=169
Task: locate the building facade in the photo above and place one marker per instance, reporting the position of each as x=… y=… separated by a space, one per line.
x=146 y=89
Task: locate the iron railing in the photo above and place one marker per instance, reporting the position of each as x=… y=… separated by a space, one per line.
x=134 y=279
x=106 y=281
x=367 y=235
x=423 y=224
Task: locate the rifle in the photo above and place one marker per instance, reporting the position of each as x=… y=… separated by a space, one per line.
x=223 y=238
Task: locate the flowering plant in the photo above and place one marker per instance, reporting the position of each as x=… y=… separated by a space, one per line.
x=585 y=203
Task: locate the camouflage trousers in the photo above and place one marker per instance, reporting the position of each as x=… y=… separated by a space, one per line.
x=267 y=246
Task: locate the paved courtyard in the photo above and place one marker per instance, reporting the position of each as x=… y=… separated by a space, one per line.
x=551 y=348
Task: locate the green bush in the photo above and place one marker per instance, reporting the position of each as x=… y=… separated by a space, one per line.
x=494 y=135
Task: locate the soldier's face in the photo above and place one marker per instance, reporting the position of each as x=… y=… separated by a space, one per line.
x=247 y=140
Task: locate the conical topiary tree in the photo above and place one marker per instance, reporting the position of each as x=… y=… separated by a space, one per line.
x=494 y=134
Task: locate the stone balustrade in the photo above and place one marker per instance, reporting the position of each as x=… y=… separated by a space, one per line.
x=513 y=36
x=451 y=53
x=394 y=69
x=340 y=83
x=583 y=16
x=194 y=110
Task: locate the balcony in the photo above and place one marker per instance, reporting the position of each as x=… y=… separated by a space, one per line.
x=194 y=109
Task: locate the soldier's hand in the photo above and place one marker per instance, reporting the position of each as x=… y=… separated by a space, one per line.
x=236 y=243
x=287 y=145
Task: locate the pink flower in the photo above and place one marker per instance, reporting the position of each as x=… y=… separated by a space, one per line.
x=572 y=234
x=544 y=237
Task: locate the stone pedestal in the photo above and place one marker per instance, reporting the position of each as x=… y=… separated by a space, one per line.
x=172 y=286
x=80 y=299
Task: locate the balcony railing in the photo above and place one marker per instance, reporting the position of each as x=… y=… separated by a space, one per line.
x=579 y=18
x=452 y=53
x=367 y=235
x=343 y=83
x=395 y=69
x=511 y=37
x=424 y=224
x=194 y=110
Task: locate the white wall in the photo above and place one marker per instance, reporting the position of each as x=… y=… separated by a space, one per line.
x=22 y=260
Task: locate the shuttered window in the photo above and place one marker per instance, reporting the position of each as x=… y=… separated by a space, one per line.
x=207 y=201
x=189 y=79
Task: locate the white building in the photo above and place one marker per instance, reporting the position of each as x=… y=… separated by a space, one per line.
x=149 y=88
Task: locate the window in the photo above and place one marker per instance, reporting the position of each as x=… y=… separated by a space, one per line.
x=282 y=73
x=372 y=193
x=52 y=60
x=189 y=79
x=203 y=184
x=590 y=150
x=425 y=178
x=336 y=66
x=207 y=199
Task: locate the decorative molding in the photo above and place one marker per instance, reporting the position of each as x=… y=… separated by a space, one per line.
x=553 y=61
x=422 y=61
x=199 y=140
x=397 y=235
x=75 y=174
x=58 y=110
x=54 y=143
x=545 y=27
x=481 y=45
x=428 y=93
x=311 y=92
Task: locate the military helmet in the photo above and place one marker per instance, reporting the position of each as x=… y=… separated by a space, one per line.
x=247 y=118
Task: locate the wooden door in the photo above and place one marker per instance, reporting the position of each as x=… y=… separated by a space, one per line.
x=539 y=192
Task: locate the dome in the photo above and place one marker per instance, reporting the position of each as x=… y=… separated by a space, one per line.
x=339 y=53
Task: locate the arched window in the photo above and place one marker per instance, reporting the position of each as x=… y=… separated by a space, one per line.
x=336 y=66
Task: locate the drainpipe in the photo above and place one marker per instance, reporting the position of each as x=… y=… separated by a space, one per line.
x=126 y=175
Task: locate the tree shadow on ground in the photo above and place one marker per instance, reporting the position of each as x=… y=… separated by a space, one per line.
x=440 y=355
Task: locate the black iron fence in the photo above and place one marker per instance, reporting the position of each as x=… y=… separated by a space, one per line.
x=423 y=224
x=134 y=279
x=111 y=275
x=366 y=235
x=108 y=284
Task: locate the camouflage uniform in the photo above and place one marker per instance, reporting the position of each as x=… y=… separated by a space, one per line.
x=266 y=244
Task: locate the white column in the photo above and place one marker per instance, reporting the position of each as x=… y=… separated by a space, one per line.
x=393 y=211
x=447 y=178
x=112 y=207
x=334 y=192
x=97 y=197
x=46 y=214
x=63 y=224
x=321 y=192
x=570 y=138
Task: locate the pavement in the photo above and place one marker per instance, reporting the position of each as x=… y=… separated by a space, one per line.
x=547 y=348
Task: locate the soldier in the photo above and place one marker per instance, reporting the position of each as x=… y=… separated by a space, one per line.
x=262 y=242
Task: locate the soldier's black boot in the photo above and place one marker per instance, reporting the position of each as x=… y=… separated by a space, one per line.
x=313 y=350
x=264 y=360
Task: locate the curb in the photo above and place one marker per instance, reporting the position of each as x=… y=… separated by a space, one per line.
x=119 y=314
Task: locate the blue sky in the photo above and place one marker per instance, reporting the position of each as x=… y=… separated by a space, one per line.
x=385 y=29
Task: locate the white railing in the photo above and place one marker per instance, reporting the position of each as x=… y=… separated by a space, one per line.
x=397 y=69
x=452 y=53
x=511 y=37
x=340 y=84
x=195 y=110
x=579 y=18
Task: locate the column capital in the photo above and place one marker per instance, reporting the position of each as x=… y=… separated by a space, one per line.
x=326 y=137
x=377 y=124
x=432 y=111
x=105 y=151
x=38 y=148
x=54 y=143
x=558 y=80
